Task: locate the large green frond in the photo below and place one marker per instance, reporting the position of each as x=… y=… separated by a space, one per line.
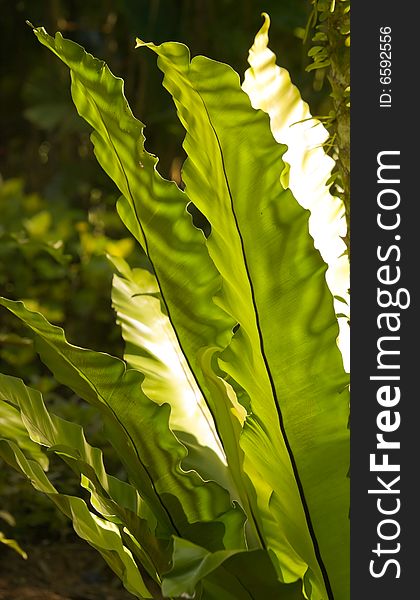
x=155 y=212
x=284 y=354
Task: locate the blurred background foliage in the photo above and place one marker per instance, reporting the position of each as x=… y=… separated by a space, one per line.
x=57 y=217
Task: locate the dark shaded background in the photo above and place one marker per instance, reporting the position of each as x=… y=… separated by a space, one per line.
x=36 y=106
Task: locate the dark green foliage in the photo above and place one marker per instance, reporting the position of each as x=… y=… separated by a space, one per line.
x=329 y=27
